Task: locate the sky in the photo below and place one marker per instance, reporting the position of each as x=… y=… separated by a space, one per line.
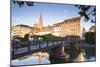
x=52 y=13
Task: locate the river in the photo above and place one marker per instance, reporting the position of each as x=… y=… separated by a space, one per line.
x=42 y=58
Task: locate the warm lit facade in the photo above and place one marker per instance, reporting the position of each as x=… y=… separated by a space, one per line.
x=38 y=26
x=69 y=27
x=45 y=30
x=21 y=30
x=56 y=30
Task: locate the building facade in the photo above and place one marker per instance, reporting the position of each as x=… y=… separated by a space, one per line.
x=68 y=27
x=38 y=26
x=45 y=30
x=56 y=30
x=21 y=30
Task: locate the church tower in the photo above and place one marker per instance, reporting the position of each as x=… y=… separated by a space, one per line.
x=41 y=22
x=38 y=26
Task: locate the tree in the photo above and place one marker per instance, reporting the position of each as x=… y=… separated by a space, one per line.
x=90 y=37
x=50 y=37
x=23 y=3
x=26 y=37
x=87 y=12
x=92 y=28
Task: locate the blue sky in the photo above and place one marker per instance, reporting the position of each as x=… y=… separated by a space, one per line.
x=52 y=13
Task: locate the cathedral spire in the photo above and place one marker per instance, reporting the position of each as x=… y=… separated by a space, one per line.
x=41 y=21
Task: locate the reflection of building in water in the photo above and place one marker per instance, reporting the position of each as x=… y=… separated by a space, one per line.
x=41 y=55
x=21 y=30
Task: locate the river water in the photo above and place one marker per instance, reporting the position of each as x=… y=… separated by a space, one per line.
x=33 y=59
x=30 y=61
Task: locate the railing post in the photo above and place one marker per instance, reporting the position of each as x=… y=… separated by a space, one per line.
x=28 y=43
x=53 y=42
x=39 y=44
x=47 y=43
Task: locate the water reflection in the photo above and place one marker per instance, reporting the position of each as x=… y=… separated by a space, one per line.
x=43 y=58
x=32 y=59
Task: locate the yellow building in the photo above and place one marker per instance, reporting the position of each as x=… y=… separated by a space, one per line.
x=21 y=30
x=68 y=27
x=45 y=30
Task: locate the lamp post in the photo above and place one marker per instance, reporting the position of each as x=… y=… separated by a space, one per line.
x=39 y=40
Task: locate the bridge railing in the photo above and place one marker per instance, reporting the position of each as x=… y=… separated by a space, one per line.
x=19 y=47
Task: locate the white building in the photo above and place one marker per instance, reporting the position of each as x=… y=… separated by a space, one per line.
x=56 y=30
x=20 y=30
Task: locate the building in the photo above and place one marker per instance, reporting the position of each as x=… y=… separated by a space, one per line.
x=56 y=30
x=21 y=30
x=38 y=26
x=45 y=30
x=68 y=27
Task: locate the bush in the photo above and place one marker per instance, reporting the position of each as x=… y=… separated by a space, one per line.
x=90 y=37
x=26 y=36
x=50 y=37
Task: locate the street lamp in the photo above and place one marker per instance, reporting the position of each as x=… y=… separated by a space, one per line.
x=39 y=40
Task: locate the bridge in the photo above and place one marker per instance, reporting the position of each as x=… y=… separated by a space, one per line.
x=20 y=49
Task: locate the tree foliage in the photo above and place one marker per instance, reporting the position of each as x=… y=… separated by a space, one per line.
x=23 y=3
x=87 y=12
x=50 y=37
x=26 y=36
x=90 y=37
x=92 y=28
